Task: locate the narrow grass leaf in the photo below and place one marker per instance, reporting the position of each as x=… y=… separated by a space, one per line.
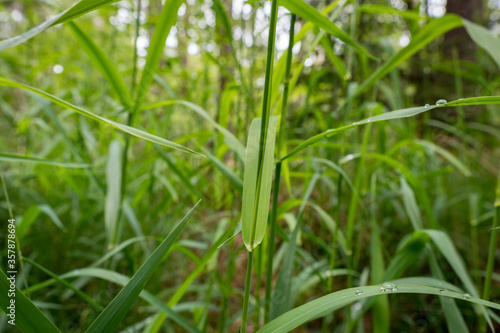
x=250 y=179
x=339 y=299
x=77 y=10
x=53 y=215
x=110 y=318
x=29 y=159
x=124 y=128
x=410 y=204
x=28 y=318
x=447 y=156
x=230 y=174
x=309 y=13
x=103 y=64
x=113 y=191
x=485 y=39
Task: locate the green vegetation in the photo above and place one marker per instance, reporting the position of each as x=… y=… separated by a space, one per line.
x=224 y=166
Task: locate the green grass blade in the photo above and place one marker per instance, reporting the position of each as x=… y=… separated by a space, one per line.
x=339 y=299
x=485 y=39
x=397 y=114
x=383 y=9
x=254 y=233
x=103 y=64
x=410 y=204
x=113 y=191
x=29 y=159
x=230 y=174
x=77 y=10
x=49 y=211
x=447 y=156
x=110 y=318
x=167 y=19
x=124 y=128
x=28 y=318
x=309 y=13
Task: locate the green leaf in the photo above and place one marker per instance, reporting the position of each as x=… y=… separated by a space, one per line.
x=113 y=191
x=77 y=10
x=28 y=318
x=253 y=229
x=482 y=37
x=339 y=299
x=167 y=19
x=53 y=215
x=124 y=128
x=103 y=64
x=383 y=9
x=29 y=159
x=397 y=114
x=110 y=318
x=309 y=13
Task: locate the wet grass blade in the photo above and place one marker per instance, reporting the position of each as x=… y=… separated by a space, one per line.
x=77 y=10
x=110 y=318
x=339 y=299
x=124 y=128
x=103 y=64
x=28 y=318
x=397 y=114
x=28 y=159
x=254 y=227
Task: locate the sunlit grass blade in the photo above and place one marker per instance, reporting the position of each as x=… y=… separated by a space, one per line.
x=110 y=318
x=113 y=190
x=103 y=64
x=77 y=10
x=167 y=19
x=29 y=159
x=254 y=227
x=28 y=318
x=309 y=13
x=397 y=114
x=124 y=128
x=339 y=299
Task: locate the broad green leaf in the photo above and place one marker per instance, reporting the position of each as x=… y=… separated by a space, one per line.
x=167 y=19
x=28 y=318
x=113 y=191
x=397 y=114
x=124 y=128
x=485 y=39
x=339 y=299
x=77 y=10
x=254 y=227
x=113 y=314
x=229 y=137
x=428 y=33
x=309 y=13
x=29 y=159
x=103 y=64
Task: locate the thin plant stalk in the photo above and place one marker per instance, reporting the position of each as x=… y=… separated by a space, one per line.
x=266 y=101
x=277 y=174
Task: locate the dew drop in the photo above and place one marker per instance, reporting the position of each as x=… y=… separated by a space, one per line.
x=358 y=292
x=355 y=123
x=426 y=106
x=466 y=296
x=441 y=102
x=369 y=119
x=388 y=287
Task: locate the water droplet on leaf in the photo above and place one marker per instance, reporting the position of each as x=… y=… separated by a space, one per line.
x=388 y=287
x=466 y=296
x=441 y=102
x=426 y=106
x=358 y=292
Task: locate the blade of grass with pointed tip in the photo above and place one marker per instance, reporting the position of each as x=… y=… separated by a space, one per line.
x=77 y=10
x=28 y=318
x=110 y=318
x=29 y=159
x=49 y=211
x=230 y=174
x=309 y=13
x=397 y=114
x=254 y=233
x=103 y=64
x=339 y=299
x=124 y=128
x=165 y=22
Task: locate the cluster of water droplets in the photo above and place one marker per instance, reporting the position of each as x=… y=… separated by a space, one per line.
x=388 y=287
